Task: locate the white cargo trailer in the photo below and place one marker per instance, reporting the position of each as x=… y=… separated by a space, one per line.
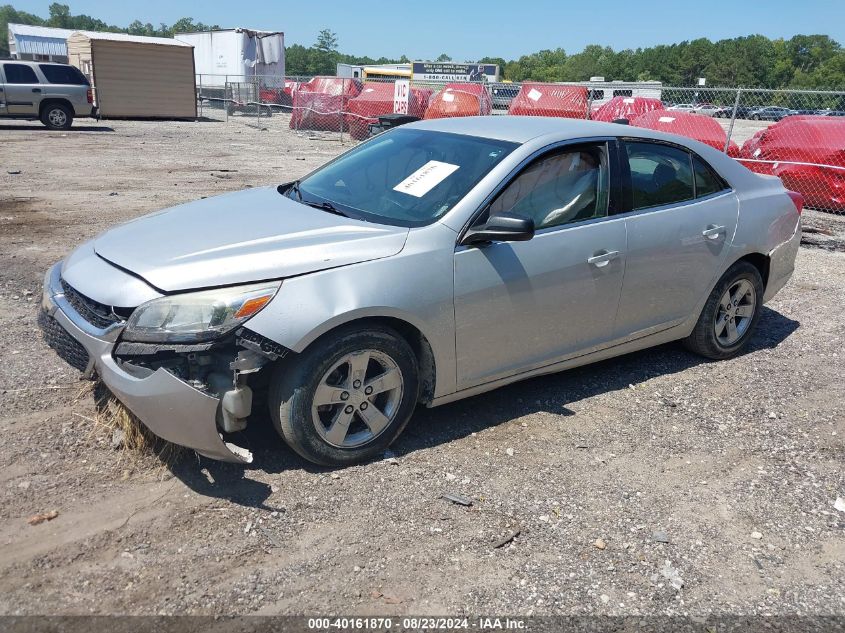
x=240 y=54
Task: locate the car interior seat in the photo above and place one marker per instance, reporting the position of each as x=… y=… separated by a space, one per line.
x=666 y=185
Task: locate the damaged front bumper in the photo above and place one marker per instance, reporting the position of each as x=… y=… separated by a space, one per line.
x=167 y=405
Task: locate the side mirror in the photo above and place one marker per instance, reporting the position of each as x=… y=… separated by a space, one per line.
x=504 y=227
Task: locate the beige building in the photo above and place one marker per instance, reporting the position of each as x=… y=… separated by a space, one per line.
x=137 y=77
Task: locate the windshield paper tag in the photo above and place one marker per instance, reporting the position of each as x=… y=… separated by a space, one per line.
x=425 y=178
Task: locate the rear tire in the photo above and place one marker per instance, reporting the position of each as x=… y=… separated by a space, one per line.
x=347 y=397
x=57 y=116
x=730 y=314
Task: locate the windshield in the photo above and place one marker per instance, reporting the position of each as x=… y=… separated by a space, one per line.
x=405 y=177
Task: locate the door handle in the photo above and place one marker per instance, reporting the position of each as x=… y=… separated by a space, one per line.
x=602 y=258
x=36 y=90
x=712 y=231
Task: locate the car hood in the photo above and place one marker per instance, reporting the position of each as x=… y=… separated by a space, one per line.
x=241 y=237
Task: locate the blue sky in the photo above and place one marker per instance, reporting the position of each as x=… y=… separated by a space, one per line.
x=469 y=30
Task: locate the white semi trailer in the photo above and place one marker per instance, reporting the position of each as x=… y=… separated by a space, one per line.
x=239 y=54
x=235 y=66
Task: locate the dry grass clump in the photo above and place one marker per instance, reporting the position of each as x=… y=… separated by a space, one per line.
x=127 y=433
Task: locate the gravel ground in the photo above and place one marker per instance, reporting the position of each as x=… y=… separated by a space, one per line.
x=651 y=484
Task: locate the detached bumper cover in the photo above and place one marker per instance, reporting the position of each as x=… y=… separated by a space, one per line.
x=169 y=407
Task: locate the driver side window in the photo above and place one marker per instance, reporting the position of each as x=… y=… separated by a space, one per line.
x=563 y=187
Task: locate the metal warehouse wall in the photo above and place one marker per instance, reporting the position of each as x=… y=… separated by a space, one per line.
x=137 y=80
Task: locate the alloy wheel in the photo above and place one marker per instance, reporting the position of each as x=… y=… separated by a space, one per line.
x=736 y=309
x=57 y=117
x=357 y=398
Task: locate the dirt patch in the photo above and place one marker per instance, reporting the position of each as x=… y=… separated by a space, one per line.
x=22 y=217
x=824 y=230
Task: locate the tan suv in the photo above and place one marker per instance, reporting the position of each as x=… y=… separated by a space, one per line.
x=54 y=93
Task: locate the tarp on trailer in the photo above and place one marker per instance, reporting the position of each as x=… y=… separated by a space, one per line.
x=460 y=99
x=807 y=153
x=319 y=104
x=702 y=128
x=375 y=100
x=625 y=108
x=540 y=99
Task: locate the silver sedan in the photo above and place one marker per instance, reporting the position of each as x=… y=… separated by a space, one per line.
x=431 y=263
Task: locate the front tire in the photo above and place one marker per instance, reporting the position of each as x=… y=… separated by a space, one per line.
x=730 y=315
x=347 y=397
x=57 y=116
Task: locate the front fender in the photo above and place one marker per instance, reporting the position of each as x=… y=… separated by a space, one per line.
x=416 y=286
x=357 y=315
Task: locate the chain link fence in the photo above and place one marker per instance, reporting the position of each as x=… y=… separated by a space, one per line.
x=796 y=135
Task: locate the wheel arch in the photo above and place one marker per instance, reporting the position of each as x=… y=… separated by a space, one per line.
x=53 y=100
x=761 y=262
x=410 y=332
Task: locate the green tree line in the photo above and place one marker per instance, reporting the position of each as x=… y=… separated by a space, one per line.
x=803 y=61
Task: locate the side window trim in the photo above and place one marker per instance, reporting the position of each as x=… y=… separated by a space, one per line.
x=572 y=225
x=22 y=83
x=692 y=175
x=71 y=73
x=724 y=183
x=627 y=182
x=715 y=194
x=673 y=205
x=626 y=205
x=614 y=184
x=554 y=156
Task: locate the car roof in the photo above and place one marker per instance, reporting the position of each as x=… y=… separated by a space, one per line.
x=546 y=130
x=32 y=62
x=522 y=129
x=519 y=129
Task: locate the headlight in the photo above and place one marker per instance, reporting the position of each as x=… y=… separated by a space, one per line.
x=196 y=317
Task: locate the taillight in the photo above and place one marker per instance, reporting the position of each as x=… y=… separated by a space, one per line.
x=90 y=96
x=797 y=200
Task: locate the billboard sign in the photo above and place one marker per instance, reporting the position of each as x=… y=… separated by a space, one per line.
x=449 y=71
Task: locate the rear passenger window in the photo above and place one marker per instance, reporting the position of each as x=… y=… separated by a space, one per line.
x=706 y=182
x=19 y=74
x=68 y=75
x=660 y=174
